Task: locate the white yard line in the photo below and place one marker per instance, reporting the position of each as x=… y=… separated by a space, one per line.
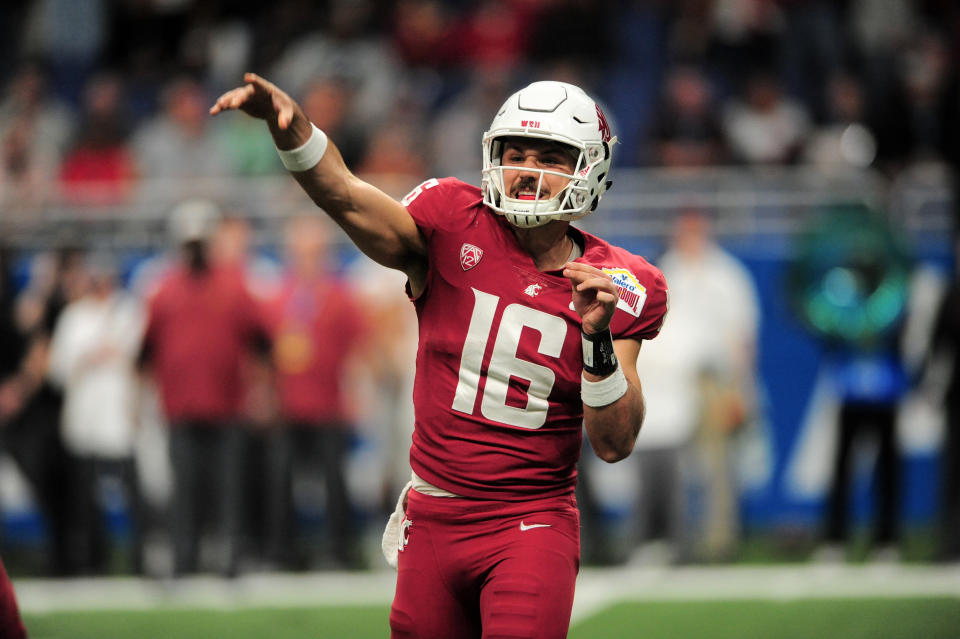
x=264 y=590
x=596 y=588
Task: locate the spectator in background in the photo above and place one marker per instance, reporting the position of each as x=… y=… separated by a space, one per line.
x=925 y=75
x=704 y=372
x=460 y=122
x=316 y=339
x=494 y=33
x=244 y=155
x=946 y=342
x=392 y=161
x=31 y=431
x=391 y=344
x=230 y=249
x=92 y=355
x=99 y=167
x=346 y=49
x=687 y=131
x=845 y=140
x=849 y=282
x=814 y=42
x=179 y=142
x=881 y=32
x=764 y=126
x=328 y=104
x=739 y=34
x=422 y=34
x=34 y=132
x=567 y=32
x=13 y=343
x=200 y=323
x=11 y=21
x=870 y=385
x=69 y=36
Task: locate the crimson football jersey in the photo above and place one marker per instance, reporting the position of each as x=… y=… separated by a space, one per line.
x=497 y=387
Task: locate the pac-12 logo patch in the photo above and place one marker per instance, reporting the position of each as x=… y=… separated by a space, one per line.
x=633 y=295
x=470 y=256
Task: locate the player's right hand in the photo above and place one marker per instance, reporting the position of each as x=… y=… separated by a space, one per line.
x=594 y=295
x=258 y=98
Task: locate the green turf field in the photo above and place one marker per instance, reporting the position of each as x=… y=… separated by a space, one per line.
x=886 y=618
x=806 y=619
x=352 y=622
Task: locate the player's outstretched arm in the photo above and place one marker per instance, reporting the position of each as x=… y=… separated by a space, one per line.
x=379 y=225
x=612 y=428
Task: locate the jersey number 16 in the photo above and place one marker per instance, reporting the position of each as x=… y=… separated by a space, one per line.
x=505 y=364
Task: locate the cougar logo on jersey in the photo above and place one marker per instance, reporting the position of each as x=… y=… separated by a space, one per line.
x=470 y=256
x=633 y=295
x=533 y=290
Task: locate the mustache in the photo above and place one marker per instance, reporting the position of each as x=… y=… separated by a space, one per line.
x=529 y=184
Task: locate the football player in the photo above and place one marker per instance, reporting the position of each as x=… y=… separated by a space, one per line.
x=529 y=328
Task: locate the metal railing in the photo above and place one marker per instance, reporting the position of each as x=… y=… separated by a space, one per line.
x=754 y=208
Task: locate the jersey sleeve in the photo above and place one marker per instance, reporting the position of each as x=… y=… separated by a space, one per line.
x=643 y=302
x=434 y=204
x=655 y=310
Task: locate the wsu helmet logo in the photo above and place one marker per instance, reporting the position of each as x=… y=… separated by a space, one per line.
x=470 y=256
x=603 y=126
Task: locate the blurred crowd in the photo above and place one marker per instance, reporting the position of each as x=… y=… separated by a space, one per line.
x=255 y=374
x=98 y=95
x=207 y=400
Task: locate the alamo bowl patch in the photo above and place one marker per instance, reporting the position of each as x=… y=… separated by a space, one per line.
x=633 y=295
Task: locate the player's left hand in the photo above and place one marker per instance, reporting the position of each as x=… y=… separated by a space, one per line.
x=594 y=295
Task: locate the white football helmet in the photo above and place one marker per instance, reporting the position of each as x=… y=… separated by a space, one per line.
x=562 y=113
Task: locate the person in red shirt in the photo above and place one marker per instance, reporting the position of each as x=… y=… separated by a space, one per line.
x=317 y=331
x=201 y=322
x=99 y=168
x=11 y=625
x=529 y=330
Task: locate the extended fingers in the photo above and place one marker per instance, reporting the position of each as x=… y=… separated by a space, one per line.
x=232 y=99
x=579 y=273
x=603 y=285
x=284 y=112
x=580 y=267
x=236 y=98
x=254 y=79
x=265 y=86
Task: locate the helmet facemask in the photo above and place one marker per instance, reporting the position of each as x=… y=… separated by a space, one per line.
x=566 y=116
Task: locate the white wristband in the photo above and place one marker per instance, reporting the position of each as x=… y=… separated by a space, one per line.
x=307 y=155
x=606 y=391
